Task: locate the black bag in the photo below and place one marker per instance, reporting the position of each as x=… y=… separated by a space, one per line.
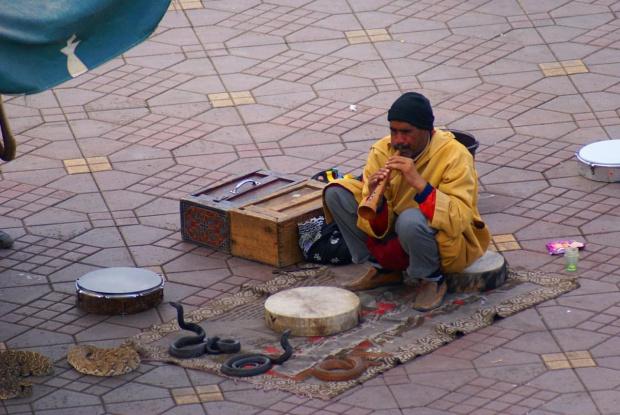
x=322 y=243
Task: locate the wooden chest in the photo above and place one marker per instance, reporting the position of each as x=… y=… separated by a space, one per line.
x=265 y=230
x=205 y=214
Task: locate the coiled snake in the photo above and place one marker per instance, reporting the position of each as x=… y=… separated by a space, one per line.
x=338 y=370
x=115 y=361
x=194 y=346
x=243 y=365
x=252 y=364
x=14 y=364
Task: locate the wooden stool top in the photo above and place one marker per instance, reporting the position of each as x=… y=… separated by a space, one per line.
x=486 y=273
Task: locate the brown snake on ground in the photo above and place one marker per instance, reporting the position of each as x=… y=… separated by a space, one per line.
x=92 y=360
x=338 y=370
x=14 y=364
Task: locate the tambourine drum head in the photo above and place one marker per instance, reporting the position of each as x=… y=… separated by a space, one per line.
x=120 y=290
x=600 y=161
x=306 y=312
x=602 y=152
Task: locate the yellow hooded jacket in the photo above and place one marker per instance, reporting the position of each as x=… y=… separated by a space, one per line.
x=448 y=166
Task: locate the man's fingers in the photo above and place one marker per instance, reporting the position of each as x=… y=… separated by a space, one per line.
x=399 y=163
x=395 y=165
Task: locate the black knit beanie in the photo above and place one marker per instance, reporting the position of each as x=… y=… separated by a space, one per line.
x=413 y=108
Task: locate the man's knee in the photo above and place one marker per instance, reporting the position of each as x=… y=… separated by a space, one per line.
x=412 y=223
x=337 y=197
x=330 y=195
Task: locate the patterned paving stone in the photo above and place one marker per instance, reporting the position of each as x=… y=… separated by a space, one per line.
x=186 y=5
x=367 y=36
x=328 y=116
x=234 y=98
x=505 y=243
x=557 y=361
x=563 y=68
x=272 y=19
x=297 y=66
x=90 y=164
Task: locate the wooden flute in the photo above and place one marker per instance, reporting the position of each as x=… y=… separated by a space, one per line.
x=368 y=210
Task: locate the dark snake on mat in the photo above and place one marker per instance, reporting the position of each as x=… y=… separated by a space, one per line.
x=252 y=364
x=194 y=346
x=338 y=370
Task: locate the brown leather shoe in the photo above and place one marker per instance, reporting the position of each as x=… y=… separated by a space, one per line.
x=430 y=296
x=374 y=278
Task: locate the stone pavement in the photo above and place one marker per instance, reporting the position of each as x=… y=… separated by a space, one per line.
x=226 y=86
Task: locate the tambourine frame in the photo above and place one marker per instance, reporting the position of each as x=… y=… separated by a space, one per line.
x=594 y=162
x=112 y=303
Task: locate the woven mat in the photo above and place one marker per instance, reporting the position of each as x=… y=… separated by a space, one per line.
x=390 y=333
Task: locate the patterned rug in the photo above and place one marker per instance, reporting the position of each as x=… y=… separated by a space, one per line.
x=390 y=333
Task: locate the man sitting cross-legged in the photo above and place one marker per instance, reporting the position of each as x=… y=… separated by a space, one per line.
x=427 y=221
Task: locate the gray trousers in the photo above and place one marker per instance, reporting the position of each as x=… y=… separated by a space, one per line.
x=414 y=234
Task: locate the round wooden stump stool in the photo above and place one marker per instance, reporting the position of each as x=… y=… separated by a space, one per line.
x=313 y=311
x=486 y=273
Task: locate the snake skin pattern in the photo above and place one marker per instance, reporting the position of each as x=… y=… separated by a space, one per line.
x=92 y=360
x=13 y=365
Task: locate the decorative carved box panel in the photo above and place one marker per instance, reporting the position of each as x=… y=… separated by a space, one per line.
x=205 y=214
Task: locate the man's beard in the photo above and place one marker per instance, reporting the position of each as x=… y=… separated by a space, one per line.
x=405 y=150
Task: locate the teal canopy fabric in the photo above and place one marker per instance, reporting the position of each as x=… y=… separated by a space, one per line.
x=46 y=42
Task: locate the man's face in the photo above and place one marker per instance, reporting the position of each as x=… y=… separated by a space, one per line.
x=410 y=139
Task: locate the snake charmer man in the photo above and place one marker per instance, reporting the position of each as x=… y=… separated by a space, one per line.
x=427 y=222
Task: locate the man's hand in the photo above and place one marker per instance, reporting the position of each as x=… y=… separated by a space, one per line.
x=407 y=167
x=376 y=178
